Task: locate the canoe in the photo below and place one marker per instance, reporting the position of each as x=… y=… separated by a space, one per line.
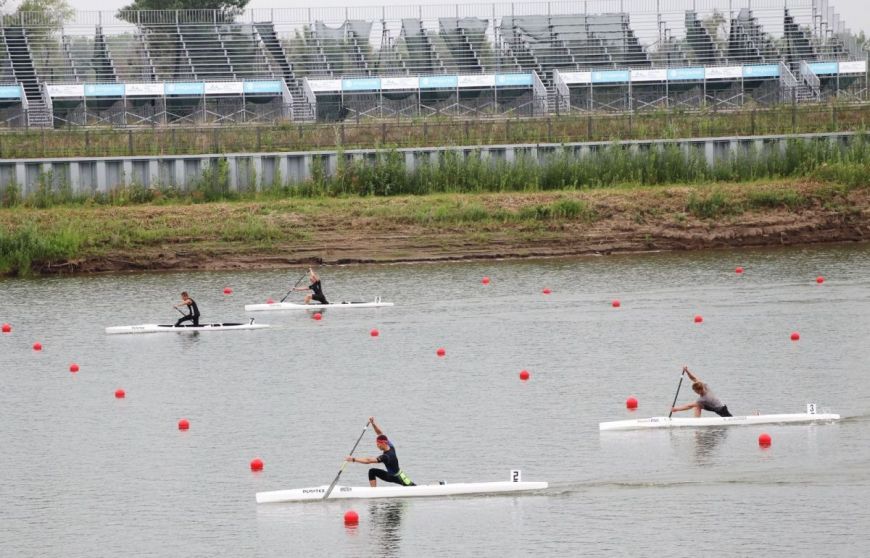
x=395 y=491
x=169 y=328
x=680 y=422
x=294 y=306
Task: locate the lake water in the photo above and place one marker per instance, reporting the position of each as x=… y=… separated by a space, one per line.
x=86 y=474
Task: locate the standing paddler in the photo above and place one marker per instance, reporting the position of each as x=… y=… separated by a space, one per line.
x=394 y=473
x=315 y=286
x=706 y=400
x=193 y=310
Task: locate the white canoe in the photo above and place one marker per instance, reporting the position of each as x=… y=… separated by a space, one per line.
x=394 y=491
x=295 y=306
x=168 y=328
x=681 y=422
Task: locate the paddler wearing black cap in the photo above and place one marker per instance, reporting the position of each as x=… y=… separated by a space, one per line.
x=394 y=473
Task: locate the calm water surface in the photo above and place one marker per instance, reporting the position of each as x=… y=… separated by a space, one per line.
x=85 y=474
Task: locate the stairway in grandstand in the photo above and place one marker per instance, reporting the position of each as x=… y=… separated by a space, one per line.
x=24 y=72
x=275 y=51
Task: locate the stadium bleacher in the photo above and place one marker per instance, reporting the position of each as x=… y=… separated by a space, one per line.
x=203 y=66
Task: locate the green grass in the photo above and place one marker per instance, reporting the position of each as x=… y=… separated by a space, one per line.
x=23 y=247
x=431 y=131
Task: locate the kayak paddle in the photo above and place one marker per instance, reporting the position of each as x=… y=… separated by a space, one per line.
x=343 y=465
x=679 y=385
x=294 y=286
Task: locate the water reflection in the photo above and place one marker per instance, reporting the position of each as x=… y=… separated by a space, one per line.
x=706 y=442
x=386 y=519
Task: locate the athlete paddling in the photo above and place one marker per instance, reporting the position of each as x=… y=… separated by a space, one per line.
x=706 y=402
x=193 y=311
x=394 y=473
x=315 y=287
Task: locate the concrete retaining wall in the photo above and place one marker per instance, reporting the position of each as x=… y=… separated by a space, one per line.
x=255 y=170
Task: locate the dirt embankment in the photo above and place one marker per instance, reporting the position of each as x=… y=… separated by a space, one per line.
x=279 y=234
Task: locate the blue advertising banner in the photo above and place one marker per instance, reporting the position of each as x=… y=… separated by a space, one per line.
x=190 y=88
x=104 y=90
x=686 y=74
x=361 y=84
x=439 y=82
x=761 y=71
x=10 y=92
x=253 y=87
x=824 y=68
x=610 y=76
x=513 y=80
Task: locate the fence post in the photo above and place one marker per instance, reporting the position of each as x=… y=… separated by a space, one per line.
x=425 y=131
x=467 y=132
x=833 y=118
x=215 y=140
x=383 y=133
x=793 y=113
x=342 y=139
x=130 y=142
x=43 y=142
x=589 y=127
x=752 y=123
x=259 y=139
x=87 y=142
x=549 y=130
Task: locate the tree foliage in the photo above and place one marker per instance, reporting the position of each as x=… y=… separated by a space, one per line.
x=226 y=8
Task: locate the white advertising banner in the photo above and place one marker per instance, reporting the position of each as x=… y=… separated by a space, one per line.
x=223 y=88
x=855 y=67
x=143 y=89
x=723 y=72
x=477 y=81
x=649 y=75
x=405 y=84
x=75 y=90
x=576 y=77
x=324 y=85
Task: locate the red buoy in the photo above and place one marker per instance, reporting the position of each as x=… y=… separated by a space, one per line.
x=256 y=464
x=820 y=279
x=183 y=424
x=795 y=336
x=764 y=440
x=228 y=290
x=120 y=394
x=317 y=316
x=739 y=270
x=351 y=517
x=374 y=333
x=631 y=403
x=441 y=352
x=74 y=368
x=270 y=301
x=524 y=375
x=615 y=303
x=546 y=291
x=37 y=346
x=485 y=280
x=7 y=328
x=698 y=318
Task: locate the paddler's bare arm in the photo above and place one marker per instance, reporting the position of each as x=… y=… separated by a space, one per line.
x=689 y=374
x=361 y=459
x=378 y=430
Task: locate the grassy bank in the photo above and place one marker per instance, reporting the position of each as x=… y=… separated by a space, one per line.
x=781 y=119
x=281 y=232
